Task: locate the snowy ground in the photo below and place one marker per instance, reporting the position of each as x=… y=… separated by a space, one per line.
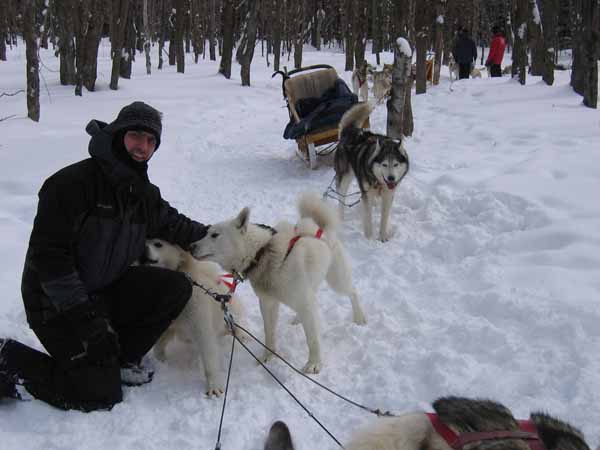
x=490 y=286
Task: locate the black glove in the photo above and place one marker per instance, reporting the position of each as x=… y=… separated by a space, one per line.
x=99 y=340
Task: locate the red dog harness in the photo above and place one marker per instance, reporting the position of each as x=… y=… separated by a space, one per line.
x=293 y=241
x=527 y=432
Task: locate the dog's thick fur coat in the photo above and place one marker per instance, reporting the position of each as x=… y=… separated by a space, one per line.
x=279 y=274
x=415 y=431
x=201 y=322
x=377 y=162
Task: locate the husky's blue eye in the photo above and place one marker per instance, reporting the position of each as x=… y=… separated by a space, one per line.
x=214 y=235
x=158 y=245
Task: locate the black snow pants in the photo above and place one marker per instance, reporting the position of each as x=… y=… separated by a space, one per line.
x=495 y=70
x=140 y=306
x=464 y=70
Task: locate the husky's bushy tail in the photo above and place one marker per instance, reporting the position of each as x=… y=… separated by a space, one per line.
x=354 y=117
x=311 y=206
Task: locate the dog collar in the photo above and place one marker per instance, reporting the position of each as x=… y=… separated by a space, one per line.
x=244 y=273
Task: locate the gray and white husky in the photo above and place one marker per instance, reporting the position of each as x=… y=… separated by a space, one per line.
x=286 y=264
x=201 y=322
x=458 y=423
x=377 y=162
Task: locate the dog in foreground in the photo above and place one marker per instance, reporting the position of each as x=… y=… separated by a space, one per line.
x=201 y=322
x=458 y=423
x=377 y=162
x=286 y=264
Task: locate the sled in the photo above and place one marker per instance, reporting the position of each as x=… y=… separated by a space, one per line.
x=310 y=82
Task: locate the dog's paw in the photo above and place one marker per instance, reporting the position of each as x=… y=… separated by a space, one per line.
x=214 y=391
x=359 y=318
x=312 y=367
x=267 y=356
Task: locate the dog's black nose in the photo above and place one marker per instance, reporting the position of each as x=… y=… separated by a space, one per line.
x=391 y=178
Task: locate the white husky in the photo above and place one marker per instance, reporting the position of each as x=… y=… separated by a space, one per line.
x=201 y=322
x=286 y=265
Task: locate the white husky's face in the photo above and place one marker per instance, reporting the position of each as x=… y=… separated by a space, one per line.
x=390 y=162
x=224 y=242
x=162 y=254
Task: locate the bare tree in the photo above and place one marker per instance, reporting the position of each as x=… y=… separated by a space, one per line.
x=299 y=32
x=535 y=39
x=422 y=29
x=248 y=42
x=519 y=65
x=120 y=9
x=181 y=7
x=440 y=11
x=66 y=40
x=146 y=37
x=228 y=23
x=279 y=8
x=33 y=64
x=401 y=87
x=549 y=13
x=590 y=39
x=212 y=21
x=3 y=29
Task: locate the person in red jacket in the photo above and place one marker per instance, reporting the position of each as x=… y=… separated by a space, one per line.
x=496 y=55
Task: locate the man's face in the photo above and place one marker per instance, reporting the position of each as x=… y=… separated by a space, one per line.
x=139 y=144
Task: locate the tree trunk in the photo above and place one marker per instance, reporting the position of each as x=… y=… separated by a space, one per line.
x=519 y=65
x=94 y=36
x=361 y=26
x=66 y=44
x=348 y=26
x=401 y=86
x=179 y=31
x=146 y=37
x=250 y=40
x=439 y=39
x=81 y=16
x=299 y=35
x=591 y=36
x=578 y=64
x=549 y=13
x=227 y=53
x=3 y=29
x=422 y=25
x=212 y=22
x=128 y=51
x=535 y=39
x=117 y=33
x=33 y=65
x=277 y=24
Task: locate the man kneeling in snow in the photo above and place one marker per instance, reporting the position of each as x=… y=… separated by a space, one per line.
x=95 y=314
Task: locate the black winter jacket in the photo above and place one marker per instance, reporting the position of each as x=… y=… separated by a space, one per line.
x=92 y=221
x=465 y=50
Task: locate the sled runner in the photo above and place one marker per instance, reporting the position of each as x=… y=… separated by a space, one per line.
x=316 y=100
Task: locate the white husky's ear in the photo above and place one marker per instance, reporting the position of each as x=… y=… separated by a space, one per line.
x=242 y=219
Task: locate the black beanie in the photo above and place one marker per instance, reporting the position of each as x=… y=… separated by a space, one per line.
x=137 y=116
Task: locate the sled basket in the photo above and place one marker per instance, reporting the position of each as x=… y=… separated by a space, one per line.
x=304 y=90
